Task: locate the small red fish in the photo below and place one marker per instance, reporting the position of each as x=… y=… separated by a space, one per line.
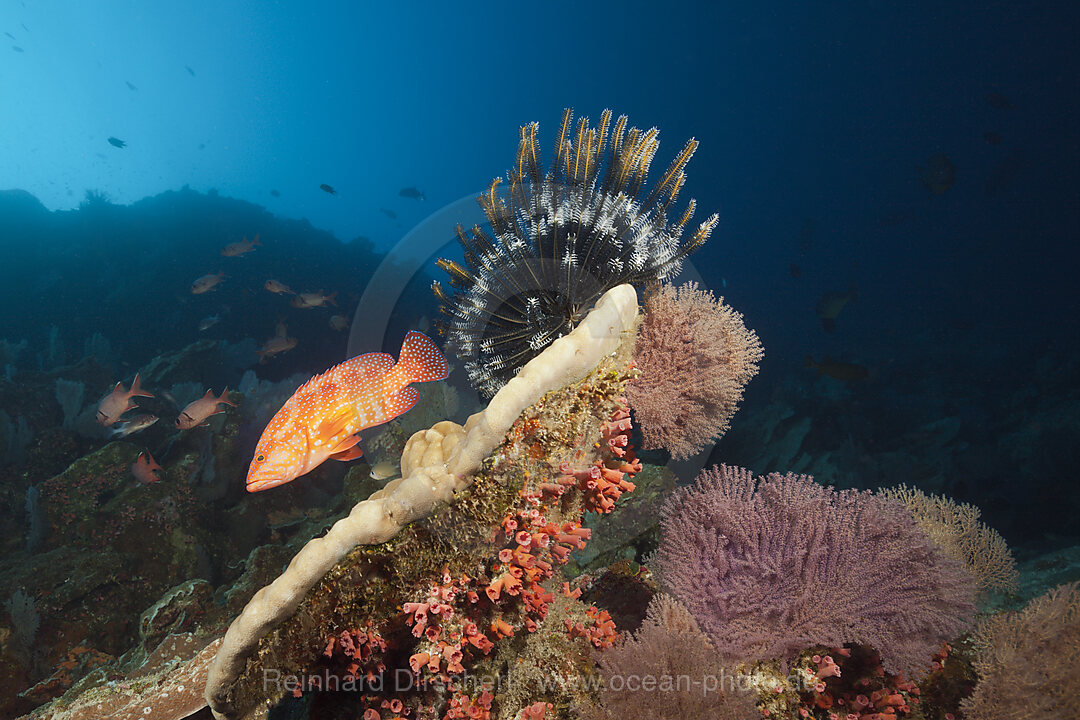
x=119 y=401
x=145 y=468
x=324 y=417
x=207 y=283
x=196 y=413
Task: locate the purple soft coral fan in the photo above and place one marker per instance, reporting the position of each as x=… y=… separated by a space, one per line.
x=774 y=565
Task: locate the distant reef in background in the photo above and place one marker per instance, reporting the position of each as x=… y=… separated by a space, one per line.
x=125 y=271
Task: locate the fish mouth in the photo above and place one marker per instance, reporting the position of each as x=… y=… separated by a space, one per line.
x=260 y=484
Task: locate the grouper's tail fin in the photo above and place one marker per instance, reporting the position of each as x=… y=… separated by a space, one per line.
x=421 y=358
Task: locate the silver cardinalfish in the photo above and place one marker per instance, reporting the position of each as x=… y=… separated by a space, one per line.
x=324 y=417
x=134 y=425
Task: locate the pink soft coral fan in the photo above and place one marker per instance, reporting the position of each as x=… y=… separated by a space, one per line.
x=774 y=565
x=695 y=356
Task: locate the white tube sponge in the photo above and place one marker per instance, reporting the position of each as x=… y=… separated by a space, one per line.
x=435 y=464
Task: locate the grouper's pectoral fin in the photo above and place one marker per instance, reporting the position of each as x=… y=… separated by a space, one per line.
x=347 y=449
x=335 y=424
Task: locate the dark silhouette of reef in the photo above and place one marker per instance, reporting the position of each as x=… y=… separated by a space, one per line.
x=125 y=271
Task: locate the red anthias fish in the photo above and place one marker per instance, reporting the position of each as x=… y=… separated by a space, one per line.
x=324 y=417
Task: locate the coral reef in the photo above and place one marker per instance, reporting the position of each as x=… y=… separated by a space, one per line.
x=437 y=465
x=632 y=528
x=696 y=357
x=1027 y=661
x=560 y=240
x=509 y=549
x=829 y=684
x=25 y=622
x=447 y=591
x=19 y=436
x=956 y=528
x=100 y=547
x=177 y=611
x=772 y=565
x=854 y=685
x=69 y=393
x=84 y=539
x=111 y=542
x=668 y=670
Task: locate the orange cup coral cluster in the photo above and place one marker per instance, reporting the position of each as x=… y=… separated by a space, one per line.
x=600 y=632
x=854 y=686
x=604 y=481
x=448 y=620
x=362 y=652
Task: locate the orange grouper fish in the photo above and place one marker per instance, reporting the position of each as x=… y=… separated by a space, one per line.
x=324 y=417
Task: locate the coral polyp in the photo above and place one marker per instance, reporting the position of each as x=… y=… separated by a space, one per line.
x=559 y=239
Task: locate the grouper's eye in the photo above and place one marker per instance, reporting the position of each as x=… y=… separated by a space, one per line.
x=260 y=458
